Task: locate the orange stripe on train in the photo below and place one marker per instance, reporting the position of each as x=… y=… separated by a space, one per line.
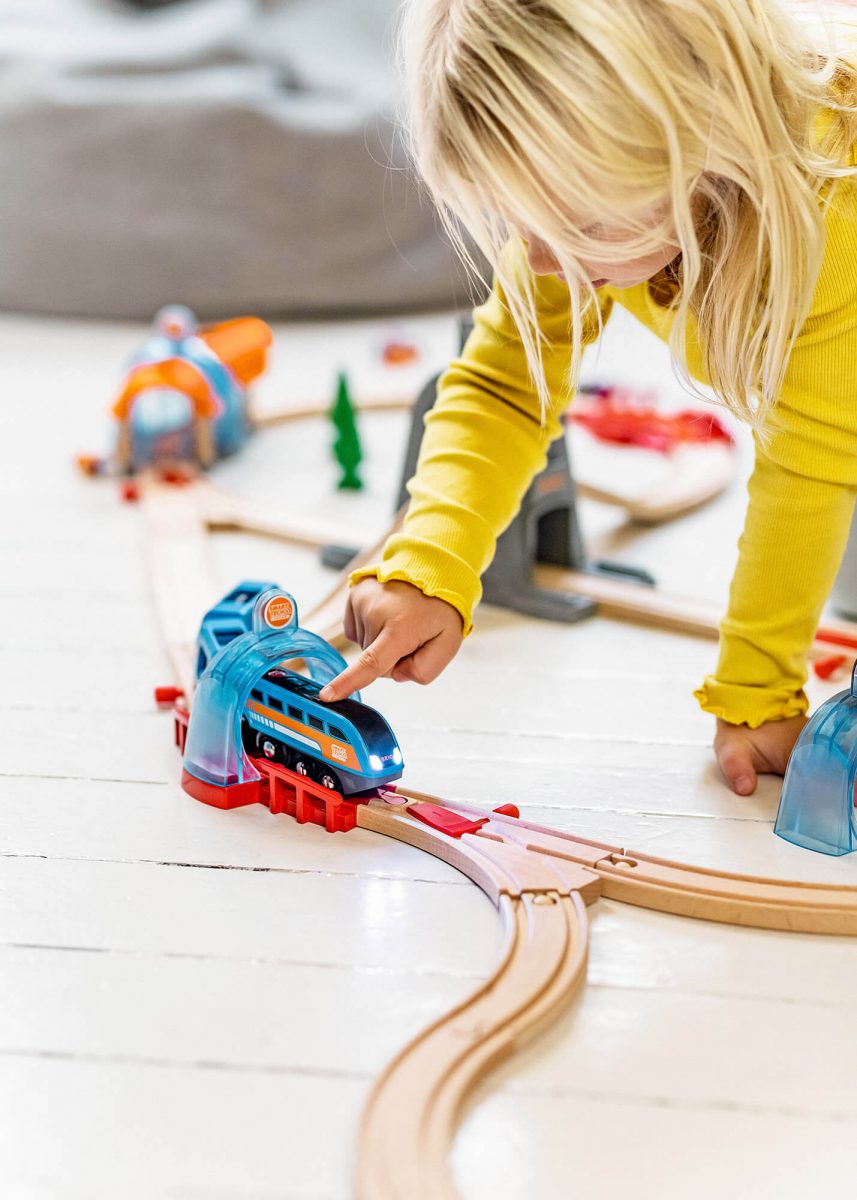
x=344 y=754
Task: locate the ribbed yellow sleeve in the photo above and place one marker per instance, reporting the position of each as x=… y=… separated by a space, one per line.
x=801 y=500
x=484 y=442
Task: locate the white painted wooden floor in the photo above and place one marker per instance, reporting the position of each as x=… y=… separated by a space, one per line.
x=193 y=1003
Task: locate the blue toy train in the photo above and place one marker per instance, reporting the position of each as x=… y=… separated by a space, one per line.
x=345 y=746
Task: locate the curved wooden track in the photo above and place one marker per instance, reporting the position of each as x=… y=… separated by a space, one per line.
x=415 y=1106
x=661 y=884
x=539 y=879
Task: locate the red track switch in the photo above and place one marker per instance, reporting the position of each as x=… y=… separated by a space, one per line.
x=444 y=820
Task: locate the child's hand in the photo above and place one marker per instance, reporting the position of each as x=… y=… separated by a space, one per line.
x=743 y=752
x=404 y=634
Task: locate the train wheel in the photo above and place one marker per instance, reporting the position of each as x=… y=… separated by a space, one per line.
x=262 y=745
x=268 y=746
x=257 y=744
x=328 y=779
x=301 y=765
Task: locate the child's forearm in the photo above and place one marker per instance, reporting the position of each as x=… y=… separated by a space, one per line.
x=484 y=441
x=477 y=460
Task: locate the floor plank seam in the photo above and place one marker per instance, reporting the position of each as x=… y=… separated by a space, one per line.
x=653 y=812
x=155 y=862
x=532 y=735
x=191 y=1064
x=682 y=1103
x=741 y=997
x=85 y=779
x=254 y=960
x=143 y=711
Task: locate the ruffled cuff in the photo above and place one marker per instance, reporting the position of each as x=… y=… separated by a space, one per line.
x=742 y=705
x=427 y=574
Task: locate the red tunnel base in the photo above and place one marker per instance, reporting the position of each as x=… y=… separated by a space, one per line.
x=229 y=796
x=283 y=791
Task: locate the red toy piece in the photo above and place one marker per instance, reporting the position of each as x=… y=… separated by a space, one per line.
x=166 y=697
x=445 y=820
x=181 y=716
x=129 y=491
x=625 y=419
x=176 y=477
x=283 y=791
x=835 y=638
x=399 y=354
x=824 y=668
x=508 y=810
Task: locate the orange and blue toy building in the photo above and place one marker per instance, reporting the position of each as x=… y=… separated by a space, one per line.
x=184 y=396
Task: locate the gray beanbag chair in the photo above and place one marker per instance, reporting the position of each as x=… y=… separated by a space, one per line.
x=232 y=155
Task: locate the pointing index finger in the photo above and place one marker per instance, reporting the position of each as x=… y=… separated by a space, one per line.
x=376 y=660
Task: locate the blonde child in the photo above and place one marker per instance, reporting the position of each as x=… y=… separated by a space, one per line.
x=694 y=161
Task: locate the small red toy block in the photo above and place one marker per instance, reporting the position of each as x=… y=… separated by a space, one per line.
x=165 y=697
x=129 y=491
x=399 y=354
x=176 y=477
x=444 y=820
x=824 y=668
x=508 y=810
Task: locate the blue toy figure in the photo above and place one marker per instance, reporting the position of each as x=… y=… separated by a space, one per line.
x=184 y=397
x=817 y=803
x=251 y=703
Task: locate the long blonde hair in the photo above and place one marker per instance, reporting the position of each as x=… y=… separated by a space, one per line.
x=622 y=108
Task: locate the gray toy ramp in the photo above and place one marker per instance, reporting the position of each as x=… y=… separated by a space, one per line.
x=230 y=155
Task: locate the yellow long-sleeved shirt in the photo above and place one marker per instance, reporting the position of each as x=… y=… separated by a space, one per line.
x=484 y=442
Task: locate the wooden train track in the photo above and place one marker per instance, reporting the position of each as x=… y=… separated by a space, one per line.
x=539 y=879
x=417 y=1103
x=178 y=521
x=697 y=473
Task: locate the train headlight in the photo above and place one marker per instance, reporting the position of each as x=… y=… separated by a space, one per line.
x=375 y=763
x=397 y=756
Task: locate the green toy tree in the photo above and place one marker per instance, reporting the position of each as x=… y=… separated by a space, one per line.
x=346 y=448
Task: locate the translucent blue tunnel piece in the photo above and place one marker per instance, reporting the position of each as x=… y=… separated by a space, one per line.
x=214 y=751
x=817 y=803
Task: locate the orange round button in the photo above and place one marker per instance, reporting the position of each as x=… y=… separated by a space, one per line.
x=278 y=612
